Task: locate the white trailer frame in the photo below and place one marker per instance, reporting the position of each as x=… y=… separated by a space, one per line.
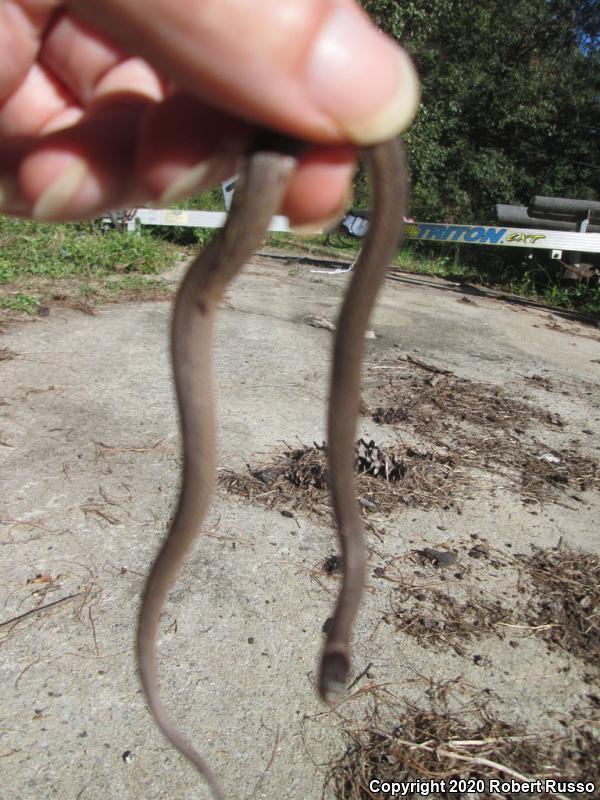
x=189 y=219
x=501 y=236
x=497 y=236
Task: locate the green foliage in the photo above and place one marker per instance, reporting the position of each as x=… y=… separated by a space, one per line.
x=204 y=235
x=574 y=297
x=510 y=101
x=19 y=302
x=130 y=283
x=54 y=250
x=211 y=200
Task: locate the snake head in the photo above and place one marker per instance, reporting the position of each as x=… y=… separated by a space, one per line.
x=335 y=666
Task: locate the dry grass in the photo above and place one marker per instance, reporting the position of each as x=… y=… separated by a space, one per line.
x=465 y=429
x=434 y=744
x=555 y=596
x=548 y=472
x=434 y=618
x=565 y=586
x=433 y=402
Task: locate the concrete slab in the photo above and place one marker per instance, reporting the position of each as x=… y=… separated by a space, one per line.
x=90 y=466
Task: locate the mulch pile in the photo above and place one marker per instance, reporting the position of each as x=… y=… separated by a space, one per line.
x=387 y=477
x=435 y=745
x=466 y=430
x=432 y=403
x=482 y=427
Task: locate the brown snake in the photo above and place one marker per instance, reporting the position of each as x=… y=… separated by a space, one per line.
x=268 y=170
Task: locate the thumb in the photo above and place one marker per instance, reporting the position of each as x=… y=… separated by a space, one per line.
x=317 y=69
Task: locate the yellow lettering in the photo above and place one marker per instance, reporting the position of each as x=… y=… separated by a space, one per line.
x=526 y=238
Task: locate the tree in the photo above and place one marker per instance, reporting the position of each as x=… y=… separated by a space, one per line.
x=510 y=101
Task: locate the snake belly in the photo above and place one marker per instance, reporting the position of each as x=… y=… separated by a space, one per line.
x=258 y=197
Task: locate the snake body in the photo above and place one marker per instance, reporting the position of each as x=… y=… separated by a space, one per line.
x=266 y=175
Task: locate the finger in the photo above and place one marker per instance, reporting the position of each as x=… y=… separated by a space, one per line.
x=125 y=152
x=307 y=68
x=21 y=27
x=76 y=70
x=12 y=153
x=319 y=191
x=39 y=99
x=78 y=56
x=76 y=172
x=92 y=67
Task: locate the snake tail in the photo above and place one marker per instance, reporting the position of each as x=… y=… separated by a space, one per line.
x=256 y=200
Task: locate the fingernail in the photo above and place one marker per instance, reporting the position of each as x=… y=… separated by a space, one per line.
x=59 y=195
x=361 y=78
x=191 y=181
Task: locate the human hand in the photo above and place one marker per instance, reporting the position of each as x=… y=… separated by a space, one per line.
x=149 y=102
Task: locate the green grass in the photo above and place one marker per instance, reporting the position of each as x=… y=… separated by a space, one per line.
x=130 y=283
x=579 y=296
x=43 y=263
x=61 y=250
x=23 y=303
